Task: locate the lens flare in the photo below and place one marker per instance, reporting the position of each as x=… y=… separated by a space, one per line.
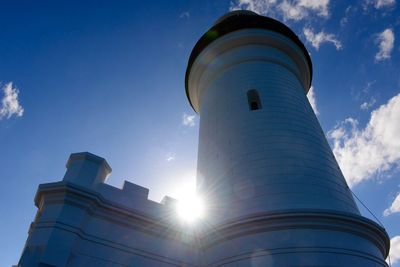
x=190 y=208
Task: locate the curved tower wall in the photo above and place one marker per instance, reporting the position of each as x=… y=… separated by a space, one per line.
x=274 y=192
x=271 y=159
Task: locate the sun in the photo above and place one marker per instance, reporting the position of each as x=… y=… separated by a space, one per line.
x=190 y=208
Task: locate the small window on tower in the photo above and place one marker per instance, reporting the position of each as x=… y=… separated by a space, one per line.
x=254 y=100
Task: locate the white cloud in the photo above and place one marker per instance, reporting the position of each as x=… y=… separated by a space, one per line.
x=292 y=11
x=185 y=14
x=394 y=253
x=385 y=41
x=263 y=7
x=345 y=19
x=9 y=103
x=188 y=120
x=362 y=153
x=368 y=104
x=320 y=6
x=300 y=9
x=170 y=158
x=312 y=100
x=288 y=10
x=316 y=39
x=380 y=3
x=384 y=3
x=394 y=208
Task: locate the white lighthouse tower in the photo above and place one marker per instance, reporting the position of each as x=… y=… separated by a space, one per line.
x=275 y=194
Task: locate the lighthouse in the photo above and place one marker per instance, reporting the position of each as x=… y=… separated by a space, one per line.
x=275 y=194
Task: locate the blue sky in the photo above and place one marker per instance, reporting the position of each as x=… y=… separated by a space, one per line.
x=109 y=78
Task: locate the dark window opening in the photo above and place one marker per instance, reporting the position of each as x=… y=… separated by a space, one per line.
x=254 y=106
x=254 y=100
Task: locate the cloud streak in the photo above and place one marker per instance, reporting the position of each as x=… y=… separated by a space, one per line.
x=316 y=39
x=384 y=3
x=170 y=158
x=378 y=4
x=362 y=153
x=188 y=120
x=385 y=41
x=10 y=105
x=288 y=10
x=185 y=14
x=368 y=104
x=394 y=208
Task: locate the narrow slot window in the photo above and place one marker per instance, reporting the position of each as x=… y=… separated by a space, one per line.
x=254 y=100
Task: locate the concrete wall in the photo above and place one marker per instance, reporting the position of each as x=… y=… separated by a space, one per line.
x=99 y=225
x=83 y=222
x=274 y=158
x=275 y=194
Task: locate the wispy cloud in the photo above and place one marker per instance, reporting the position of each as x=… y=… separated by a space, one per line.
x=385 y=41
x=345 y=19
x=368 y=104
x=364 y=93
x=384 y=3
x=394 y=253
x=301 y=9
x=316 y=39
x=362 y=153
x=288 y=10
x=9 y=103
x=188 y=120
x=394 y=208
x=185 y=14
x=378 y=4
x=313 y=100
x=258 y=6
x=170 y=158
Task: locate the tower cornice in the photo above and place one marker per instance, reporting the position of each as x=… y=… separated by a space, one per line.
x=239 y=20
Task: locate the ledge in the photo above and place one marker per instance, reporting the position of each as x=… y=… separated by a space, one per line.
x=300 y=219
x=149 y=216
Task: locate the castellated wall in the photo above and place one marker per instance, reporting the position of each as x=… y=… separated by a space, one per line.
x=81 y=221
x=274 y=193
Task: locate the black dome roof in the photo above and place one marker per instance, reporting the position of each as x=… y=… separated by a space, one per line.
x=237 y=20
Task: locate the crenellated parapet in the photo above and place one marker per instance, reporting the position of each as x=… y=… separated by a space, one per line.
x=90 y=172
x=82 y=214
x=274 y=193
x=86 y=169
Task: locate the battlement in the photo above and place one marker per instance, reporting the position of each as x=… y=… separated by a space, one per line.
x=82 y=214
x=90 y=172
x=86 y=169
x=275 y=194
